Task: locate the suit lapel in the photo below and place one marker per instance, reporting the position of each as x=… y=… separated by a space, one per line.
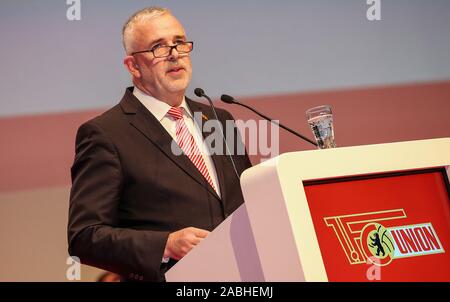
x=144 y=122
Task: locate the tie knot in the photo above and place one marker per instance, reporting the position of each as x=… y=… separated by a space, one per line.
x=176 y=112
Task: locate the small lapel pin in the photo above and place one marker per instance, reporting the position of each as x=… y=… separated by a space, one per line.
x=204 y=117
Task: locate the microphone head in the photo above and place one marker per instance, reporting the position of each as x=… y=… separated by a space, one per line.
x=227 y=99
x=199 y=92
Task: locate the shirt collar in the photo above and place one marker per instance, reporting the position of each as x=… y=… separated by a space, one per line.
x=158 y=108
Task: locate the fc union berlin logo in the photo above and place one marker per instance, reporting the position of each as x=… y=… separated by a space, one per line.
x=373 y=236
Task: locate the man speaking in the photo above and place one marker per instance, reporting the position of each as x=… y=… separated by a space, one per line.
x=135 y=206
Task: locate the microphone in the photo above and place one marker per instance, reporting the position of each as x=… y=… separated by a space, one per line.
x=201 y=93
x=231 y=100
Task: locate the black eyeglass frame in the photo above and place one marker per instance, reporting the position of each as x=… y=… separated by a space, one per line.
x=172 y=47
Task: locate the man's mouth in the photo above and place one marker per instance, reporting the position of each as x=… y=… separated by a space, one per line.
x=175 y=69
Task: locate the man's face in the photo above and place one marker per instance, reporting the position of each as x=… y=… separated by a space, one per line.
x=162 y=77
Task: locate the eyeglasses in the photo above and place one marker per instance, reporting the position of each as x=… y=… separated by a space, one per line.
x=163 y=51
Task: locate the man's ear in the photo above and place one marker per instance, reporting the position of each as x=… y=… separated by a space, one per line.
x=132 y=66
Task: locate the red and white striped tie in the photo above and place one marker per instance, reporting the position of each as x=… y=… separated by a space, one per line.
x=187 y=143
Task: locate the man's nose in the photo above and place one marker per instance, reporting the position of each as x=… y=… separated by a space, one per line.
x=173 y=55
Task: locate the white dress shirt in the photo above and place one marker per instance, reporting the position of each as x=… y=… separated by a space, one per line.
x=159 y=110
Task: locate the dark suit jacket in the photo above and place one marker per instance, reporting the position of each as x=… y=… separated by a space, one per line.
x=129 y=190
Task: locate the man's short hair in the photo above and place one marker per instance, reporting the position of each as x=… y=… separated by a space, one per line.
x=139 y=16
